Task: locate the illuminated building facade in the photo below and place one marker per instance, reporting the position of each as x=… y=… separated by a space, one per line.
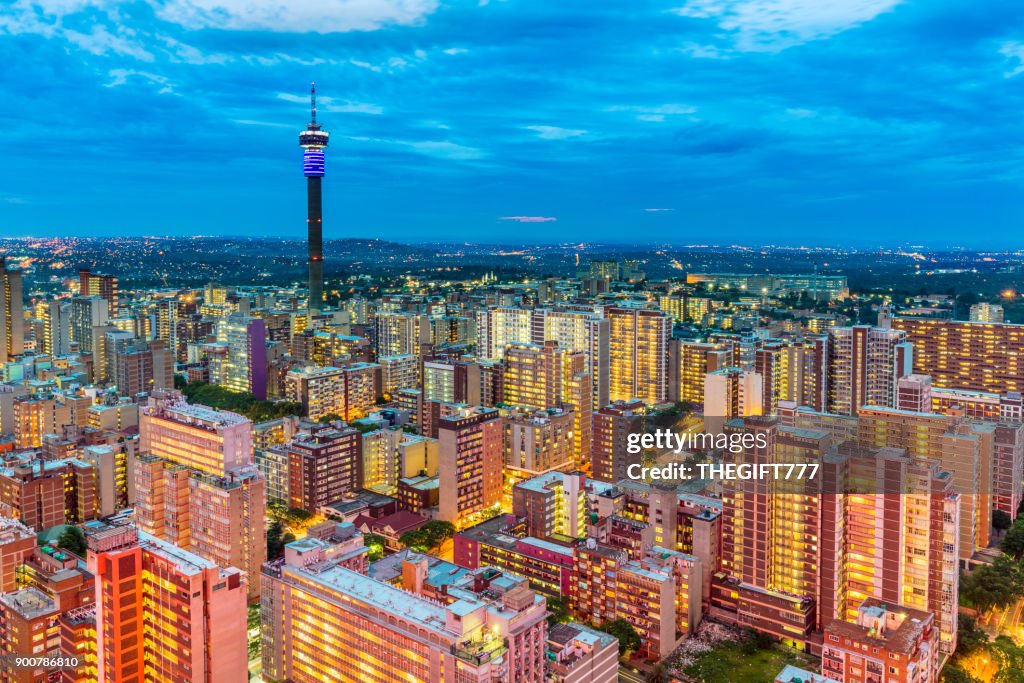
x=638 y=353
x=967 y=355
x=470 y=463
x=163 y=613
x=325 y=622
x=612 y=426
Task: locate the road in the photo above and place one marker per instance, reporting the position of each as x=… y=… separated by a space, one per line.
x=1008 y=622
x=628 y=675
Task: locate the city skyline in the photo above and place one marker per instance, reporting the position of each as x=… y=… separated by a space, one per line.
x=520 y=120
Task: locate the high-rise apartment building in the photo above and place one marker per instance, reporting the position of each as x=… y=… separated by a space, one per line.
x=97 y=284
x=163 y=613
x=325 y=622
x=612 y=426
x=638 y=352
x=658 y=593
x=967 y=355
x=731 y=393
x=392 y=454
x=689 y=363
x=12 y=312
x=539 y=442
x=88 y=314
x=56 y=317
x=962 y=448
x=499 y=326
x=452 y=381
x=350 y=392
x=578 y=330
x=791 y=371
x=796 y=554
x=324 y=465
x=246 y=366
x=29 y=628
x=863 y=364
x=986 y=313
x=401 y=333
x=552 y=503
x=914 y=393
x=196 y=485
x=470 y=464
x=398 y=372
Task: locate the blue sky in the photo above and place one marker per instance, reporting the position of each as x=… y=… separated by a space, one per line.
x=690 y=121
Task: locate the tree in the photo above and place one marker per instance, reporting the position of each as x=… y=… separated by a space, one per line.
x=277 y=539
x=438 y=531
x=952 y=674
x=376 y=544
x=415 y=540
x=993 y=585
x=1000 y=520
x=968 y=636
x=1011 y=660
x=558 y=612
x=1013 y=542
x=73 y=540
x=629 y=639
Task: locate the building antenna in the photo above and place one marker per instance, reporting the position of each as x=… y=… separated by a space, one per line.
x=312 y=100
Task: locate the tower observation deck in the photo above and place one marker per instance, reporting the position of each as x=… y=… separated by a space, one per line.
x=314 y=140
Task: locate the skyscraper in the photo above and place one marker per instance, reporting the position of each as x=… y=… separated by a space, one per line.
x=639 y=354
x=12 y=328
x=196 y=485
x=164 y=613
x=863 y=365
x=470 y=456
x=246 y=366
x=314 y=141
x=97 y=284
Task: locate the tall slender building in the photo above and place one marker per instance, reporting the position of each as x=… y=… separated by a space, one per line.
x=314 y=140
x=12 y=314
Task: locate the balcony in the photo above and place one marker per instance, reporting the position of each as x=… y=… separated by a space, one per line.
x=478 y=652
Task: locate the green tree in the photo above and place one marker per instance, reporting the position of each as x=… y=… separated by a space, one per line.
x=73 y=540
x=1011 y=660
x=438 y=531
x=277 y=539
x=953 y=674
x=376 y=544
x=558 y=611
x=996 y=585
x=416 y=540
x=1013 y=542
x=968 y=636
x=629 y=639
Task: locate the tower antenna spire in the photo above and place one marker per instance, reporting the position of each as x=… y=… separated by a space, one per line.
x=312 y=100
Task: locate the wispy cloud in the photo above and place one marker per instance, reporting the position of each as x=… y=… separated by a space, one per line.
x=658 y=210
x=656 y=113
x=555 y=133
x=332 y=105
x=317 y=16
x=771 y=25
x=120 y=77
x=529 y=219
x=1014 y=53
